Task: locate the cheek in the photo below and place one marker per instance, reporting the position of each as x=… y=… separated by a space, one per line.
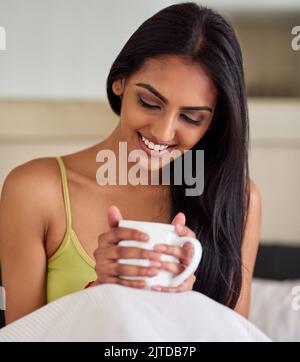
x=134 y=117
x=188 y=138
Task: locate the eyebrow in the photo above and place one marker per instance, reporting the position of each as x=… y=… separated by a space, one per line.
x=163 y=99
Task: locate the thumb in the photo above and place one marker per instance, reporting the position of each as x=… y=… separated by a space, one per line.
x=113 y=216
x=179 y=219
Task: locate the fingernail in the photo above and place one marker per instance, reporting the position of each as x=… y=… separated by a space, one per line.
x=179 y=227
x=160 y=248
x=155 y=256
x=144 y=237
x=155 y=264
x=158 y=289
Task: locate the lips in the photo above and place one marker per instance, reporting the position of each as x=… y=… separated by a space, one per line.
x=152 y=152
x=156 y=143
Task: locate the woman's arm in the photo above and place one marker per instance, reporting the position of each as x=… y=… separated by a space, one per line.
x=249 y=249
x=22 y=252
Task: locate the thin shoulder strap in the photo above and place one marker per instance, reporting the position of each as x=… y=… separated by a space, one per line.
x=64 y=181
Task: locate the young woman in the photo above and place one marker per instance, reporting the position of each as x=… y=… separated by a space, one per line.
x=178 y=82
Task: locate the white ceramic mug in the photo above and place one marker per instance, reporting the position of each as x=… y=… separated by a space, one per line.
x=160 y=233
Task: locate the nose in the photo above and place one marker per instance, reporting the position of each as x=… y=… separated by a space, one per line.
x=164 y=131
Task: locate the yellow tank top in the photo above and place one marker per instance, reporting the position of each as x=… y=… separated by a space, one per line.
x=70 y=268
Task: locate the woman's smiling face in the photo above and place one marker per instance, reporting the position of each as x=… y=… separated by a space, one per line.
x=169 y=102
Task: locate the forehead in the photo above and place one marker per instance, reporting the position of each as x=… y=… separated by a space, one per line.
x=179 y=80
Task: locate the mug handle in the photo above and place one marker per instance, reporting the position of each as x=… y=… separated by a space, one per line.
x=189 y=270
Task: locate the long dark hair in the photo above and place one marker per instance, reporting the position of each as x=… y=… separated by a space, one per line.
x=217 y=216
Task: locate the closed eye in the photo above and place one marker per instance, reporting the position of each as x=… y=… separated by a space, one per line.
x=186 y=118
x=146 y=105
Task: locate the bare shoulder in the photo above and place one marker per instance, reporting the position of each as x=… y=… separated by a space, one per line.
x=253 y=220
x=25 y=210
x=255 y=197
x=250 y=246
x=33 y=183
x=34 y=173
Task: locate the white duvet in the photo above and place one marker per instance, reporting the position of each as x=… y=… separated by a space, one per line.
x=113 y=313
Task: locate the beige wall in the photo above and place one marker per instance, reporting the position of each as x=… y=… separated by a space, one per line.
x=276 y=170
x=36 y=129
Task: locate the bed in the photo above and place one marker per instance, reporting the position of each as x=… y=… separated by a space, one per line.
x=275 y=305
x=274 y=308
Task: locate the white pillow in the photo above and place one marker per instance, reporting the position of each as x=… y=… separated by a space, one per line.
x=275 y=309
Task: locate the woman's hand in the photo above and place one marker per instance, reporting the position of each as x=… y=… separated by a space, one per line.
x=108 y=252
x=184 y=254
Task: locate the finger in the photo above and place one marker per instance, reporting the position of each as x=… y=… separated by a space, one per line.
x=127 y=283
x=139 y=284
x=117 y=269
x=161 y=288
x=184 y=254
x=188 y=254
x=179 y=219
x=115 y=235
x=174 y=268
x=113 y=216
x=189 y=282
x=187 y=285
x=183 y=230
x=124 y=252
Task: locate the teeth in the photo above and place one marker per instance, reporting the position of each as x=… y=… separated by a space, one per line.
x=153 y=146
